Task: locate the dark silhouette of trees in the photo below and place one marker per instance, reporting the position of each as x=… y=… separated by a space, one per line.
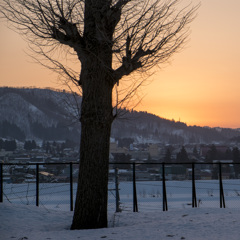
x=168 y=156
x=51 y=133
x=212 y=153
x=110 y=39
x=29 y=145
x=1 y=144
x=195 y=152
x=182 y=156
x=228 y=154
x=11 y=130
x=8 y=145
x=218 y=153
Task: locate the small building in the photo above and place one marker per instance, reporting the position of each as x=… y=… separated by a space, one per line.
x=153 y=150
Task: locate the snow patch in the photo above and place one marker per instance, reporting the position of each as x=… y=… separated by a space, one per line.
x=33 y=223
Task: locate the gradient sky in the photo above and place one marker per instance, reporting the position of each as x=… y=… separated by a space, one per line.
x=200 y=86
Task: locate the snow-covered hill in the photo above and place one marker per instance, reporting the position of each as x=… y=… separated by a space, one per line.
x=15 y=109
x=54 y=115
x=37 y=112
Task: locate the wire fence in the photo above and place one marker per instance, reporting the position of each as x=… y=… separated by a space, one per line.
x=132 y=186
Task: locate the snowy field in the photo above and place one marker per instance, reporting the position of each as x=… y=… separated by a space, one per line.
x=149 y=195
x=23 y=222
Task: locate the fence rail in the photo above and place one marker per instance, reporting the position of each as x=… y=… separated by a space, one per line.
x=172 y=184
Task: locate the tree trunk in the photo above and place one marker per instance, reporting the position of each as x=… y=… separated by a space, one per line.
x=96 y=119
x=91 y=200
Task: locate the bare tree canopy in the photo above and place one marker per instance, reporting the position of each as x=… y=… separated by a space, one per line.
x=110 y=39
x=140 y=33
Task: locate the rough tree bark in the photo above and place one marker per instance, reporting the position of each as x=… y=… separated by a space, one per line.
x=96 y=120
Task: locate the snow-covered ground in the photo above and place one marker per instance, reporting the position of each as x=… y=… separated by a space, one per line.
x=149 y=194
x=33 y=223
x=20 y=219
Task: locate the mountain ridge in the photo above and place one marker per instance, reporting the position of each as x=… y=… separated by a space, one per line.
x=50 y=114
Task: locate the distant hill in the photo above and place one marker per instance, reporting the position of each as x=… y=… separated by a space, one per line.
x=143 y=125
x=47 y=114
x=38 y=113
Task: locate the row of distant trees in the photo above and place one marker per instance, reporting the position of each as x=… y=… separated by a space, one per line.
x=29 y=145
x=57 y=147
x=212 y=154
x=11 y=130
x=8 y=145
x=182 y=155
x=54 y=132
x=11 y=145
x=229 y=154
x=48 y=146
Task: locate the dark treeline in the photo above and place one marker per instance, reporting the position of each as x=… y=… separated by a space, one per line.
x=11 y=130
x=57 y=132
x=29 y=145
x=8 y=145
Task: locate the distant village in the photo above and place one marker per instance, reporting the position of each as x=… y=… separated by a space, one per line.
x=53 y=158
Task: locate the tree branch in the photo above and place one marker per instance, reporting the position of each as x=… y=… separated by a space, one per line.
x=45 y=21
x=149 y=35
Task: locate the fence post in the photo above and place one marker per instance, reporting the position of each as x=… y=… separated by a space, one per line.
x=194 y=198
x=71 y=186
x=117 y=191
x=135 y=204
x=1 y=183
x=222 y=200
x=165 y=207
x=37 y=184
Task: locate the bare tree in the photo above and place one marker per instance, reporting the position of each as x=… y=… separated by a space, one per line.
x=110 y=39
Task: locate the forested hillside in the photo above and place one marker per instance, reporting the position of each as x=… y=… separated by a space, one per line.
x=46 y=114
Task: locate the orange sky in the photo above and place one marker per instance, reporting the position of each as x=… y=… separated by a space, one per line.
x=201 y=86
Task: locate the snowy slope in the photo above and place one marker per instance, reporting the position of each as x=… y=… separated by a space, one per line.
x=33 y=223
x=49 y=108
x=28 y=108
x=16 y=109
